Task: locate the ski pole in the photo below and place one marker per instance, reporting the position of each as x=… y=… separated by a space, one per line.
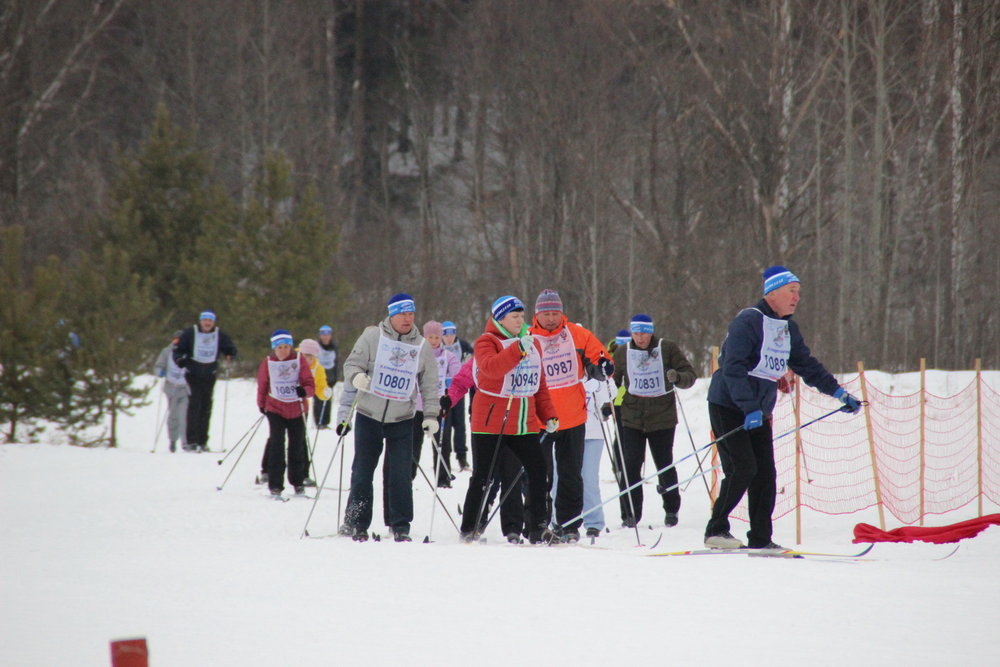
x=305 y=429
x=225 y=408
x=624 y=473
x=653 y=476
x=687 y=426
x=810 y=423
x=159 y=402
x=242 y=452
x=252 y=428
x=489 y=473
x=504 y=495
x=434 y=491
x=319 y=487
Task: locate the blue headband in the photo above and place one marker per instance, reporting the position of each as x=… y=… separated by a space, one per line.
x=207 y=315
x=448 y=327
x=504 y=305
x=401 y=303
x=777 y=276
x=325 y=329
x=281 y=337
x=641 y=323
x=622 y=337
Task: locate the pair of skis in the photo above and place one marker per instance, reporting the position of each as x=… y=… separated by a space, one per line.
x=765 y=553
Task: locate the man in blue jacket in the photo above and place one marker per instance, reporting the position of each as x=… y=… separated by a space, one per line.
x=762 y=344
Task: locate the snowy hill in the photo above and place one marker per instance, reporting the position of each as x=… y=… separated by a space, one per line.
x=104 y=544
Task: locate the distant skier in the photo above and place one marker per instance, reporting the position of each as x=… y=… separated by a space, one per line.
x=284 y=385
x=176 y=388
x=453 y=436
x=762 y=344
x=330 y=361
x=198 y=352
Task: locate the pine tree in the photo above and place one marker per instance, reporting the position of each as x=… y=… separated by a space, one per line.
x=33 y=370
x=114 y=312
x=162 y=201
x=272 y=267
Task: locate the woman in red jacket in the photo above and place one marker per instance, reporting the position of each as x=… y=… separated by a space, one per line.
x=284 y=384
x=511 y=393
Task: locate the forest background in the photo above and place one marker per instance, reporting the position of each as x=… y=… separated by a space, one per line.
x=293 y=163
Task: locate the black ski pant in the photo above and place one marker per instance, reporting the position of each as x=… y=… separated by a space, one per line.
x=453 y=438
x=199 y=410
x=275 y=450
x=369 y=436
x=566 y=448
x=321 y=411
x=661 y=446
x=526 y=450
x=748 y=464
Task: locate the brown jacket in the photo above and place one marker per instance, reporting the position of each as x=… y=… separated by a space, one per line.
x=659 y=412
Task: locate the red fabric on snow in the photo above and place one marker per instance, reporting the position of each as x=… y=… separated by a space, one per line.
x=864 y=532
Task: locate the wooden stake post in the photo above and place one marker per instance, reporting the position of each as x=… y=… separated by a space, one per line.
x=871 y=446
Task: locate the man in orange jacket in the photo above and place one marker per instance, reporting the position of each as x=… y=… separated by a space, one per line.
x=570 y=353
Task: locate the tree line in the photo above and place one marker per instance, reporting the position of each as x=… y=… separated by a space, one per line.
x=637 y=155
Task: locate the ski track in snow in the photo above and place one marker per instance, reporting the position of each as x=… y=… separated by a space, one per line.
x=99 y=544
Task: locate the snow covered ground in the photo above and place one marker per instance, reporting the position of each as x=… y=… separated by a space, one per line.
x=99 y=544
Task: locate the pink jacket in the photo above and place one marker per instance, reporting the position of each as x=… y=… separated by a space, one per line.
x=461 y=383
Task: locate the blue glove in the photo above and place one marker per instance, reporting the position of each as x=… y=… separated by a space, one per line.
x=753 y=420
x=851 y=404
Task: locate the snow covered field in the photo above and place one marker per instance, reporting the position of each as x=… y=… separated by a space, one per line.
x=105 y=544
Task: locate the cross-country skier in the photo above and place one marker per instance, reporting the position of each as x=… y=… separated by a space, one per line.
x=284 y=385
x=649 y=368
x=389 y=364
x=762 y=344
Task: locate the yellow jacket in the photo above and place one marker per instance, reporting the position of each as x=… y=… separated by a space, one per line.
x=323 y=392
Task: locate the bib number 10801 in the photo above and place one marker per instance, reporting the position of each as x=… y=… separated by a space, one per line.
x=393 y=381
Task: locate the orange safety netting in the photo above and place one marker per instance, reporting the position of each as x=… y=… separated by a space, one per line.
x=928 y=464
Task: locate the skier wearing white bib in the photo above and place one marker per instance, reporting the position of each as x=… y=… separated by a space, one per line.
x=389 y=364
x=762 y=344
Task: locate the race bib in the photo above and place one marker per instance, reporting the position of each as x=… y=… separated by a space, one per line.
x=560 y=360
x=175 y=374
x=442 y=363
x=327 y=358
x=521 y=381
x=394 y=376
x=284 y=377
x=206 y=346
x=645 y=372
x=775 y=348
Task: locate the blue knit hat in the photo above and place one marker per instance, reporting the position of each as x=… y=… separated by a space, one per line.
x=622 y=337
x=777 y=276
x=281 y=337
x=448 y=327
x=504 y=305
x=641 y=323
x=325 y=329
x=401 y=303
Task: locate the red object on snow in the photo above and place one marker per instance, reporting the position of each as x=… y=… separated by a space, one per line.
x=864 y=532
x=129 y=653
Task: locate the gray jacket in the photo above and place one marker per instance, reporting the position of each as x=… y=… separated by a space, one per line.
x=362 y=360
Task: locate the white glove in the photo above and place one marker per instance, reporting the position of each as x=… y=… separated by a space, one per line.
x=527 y=342
x=430 y=426
x=552 y=425
x=361 y=381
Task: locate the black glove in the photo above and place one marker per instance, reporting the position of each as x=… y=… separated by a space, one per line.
x=263 y=411
x=445 y=406
x=607 y=367
x=672 y=376
x=300 y=391
x=606 y=411
x=182 y=362
x=343 y=428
